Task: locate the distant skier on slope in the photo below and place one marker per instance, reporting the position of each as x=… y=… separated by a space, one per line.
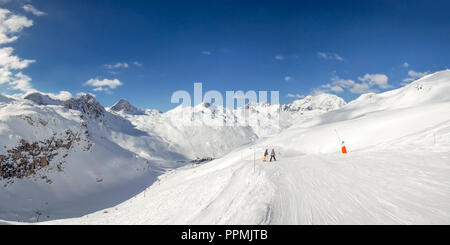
x=272 y=155
x=266 y=153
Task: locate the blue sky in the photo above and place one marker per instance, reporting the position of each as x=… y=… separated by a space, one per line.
x=146 y=50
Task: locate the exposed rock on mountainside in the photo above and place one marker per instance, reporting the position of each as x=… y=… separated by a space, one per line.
x=322 y=102
x=42 y=99
x=29 y=157
x=85 y=104
x=125 y=106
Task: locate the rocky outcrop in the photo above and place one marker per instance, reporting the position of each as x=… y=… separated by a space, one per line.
x=126 y=107
x=42 y=99
x=29 y=157
x=87 y=105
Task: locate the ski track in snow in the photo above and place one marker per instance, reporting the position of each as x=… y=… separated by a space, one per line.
x=361 y=188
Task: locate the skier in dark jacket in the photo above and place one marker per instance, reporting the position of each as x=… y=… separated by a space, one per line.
x=272 y=155
x=266 y=153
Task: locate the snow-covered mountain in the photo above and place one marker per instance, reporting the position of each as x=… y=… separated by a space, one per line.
x=321 y=102
x=194 y=132
x=125 y=106
x=55 y=154
x=49 y=145
x=75 y=157
x=42 y=99
x=210 y=131
x=51 y=157
x=396 y=171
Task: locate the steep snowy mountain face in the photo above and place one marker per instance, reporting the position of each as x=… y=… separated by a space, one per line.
x=74 y=155
x=203 y=131
x=87 y=105
x=268 y=120
x=126 y=107
x=321 y=102
x=264 y=119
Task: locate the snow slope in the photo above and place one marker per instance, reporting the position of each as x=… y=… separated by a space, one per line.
x=63 y=159
x=397 y=171
x=68 y=162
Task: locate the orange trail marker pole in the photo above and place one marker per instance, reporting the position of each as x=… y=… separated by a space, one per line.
x=343 y=147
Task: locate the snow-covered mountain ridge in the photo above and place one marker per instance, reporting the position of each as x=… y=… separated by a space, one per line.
x=396 y=172
x=397 y=141
x=49 y=144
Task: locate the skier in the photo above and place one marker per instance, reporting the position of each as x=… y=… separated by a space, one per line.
x=266 y=153
x=272 y=155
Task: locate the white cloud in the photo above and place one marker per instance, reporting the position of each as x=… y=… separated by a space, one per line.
x=113 y=72
x=333 y=88
x=9 y=61
x=98 y=89
x=117 y=65
x=30 y=8
x=63 y=95
x=287 y=78
x=121 y=65
x=105 y=85
x=414 y=75
x=285 y=57
x=379 y=80
x=322 y=55
x=5 y=75
x=368 y=83
x=337 y=57
x=10 y=25
x=21 y=82
x=345 y=83
x=329 y=56
x=298 y=96
x=361 y=88
x=114 y=83
x=206 y=53
x=328 y=88
x=406 y=65
x=10 y=65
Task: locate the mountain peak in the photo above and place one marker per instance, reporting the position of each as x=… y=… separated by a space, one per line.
x=125 y=106
x=86 y=104
x=324 y=102
x=5 y=99
x=42 y=99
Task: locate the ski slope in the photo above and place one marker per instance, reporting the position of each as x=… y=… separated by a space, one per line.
x=397 y=171
x=361 y=188
x=63 y=159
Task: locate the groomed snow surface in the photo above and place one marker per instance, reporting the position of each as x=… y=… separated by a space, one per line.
x=397 y=171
